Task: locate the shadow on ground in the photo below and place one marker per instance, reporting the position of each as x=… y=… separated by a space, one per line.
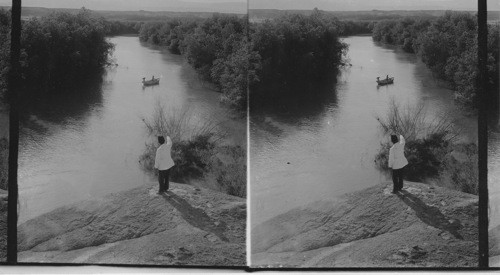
x=195 y=216
x=430 y=214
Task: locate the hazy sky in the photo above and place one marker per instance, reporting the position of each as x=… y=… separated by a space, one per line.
x=353 y=5
x=240 y=5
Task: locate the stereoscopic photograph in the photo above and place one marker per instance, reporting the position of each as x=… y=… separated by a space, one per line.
x=132 y=132
x=349 y=127
x=363 y=133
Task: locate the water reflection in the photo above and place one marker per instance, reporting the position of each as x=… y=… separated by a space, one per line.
x=58 y=106
x=305 y=101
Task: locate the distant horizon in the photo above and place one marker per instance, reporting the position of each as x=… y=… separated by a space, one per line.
x=240 y=6
x=75 y=8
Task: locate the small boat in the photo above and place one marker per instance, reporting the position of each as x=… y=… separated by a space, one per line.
x=385 y=81
x=151 y=82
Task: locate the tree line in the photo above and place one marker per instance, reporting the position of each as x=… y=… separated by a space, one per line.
x=216 y=47
x=235 y=55
x=448 y=46
x=62 y=49
x=59 y=50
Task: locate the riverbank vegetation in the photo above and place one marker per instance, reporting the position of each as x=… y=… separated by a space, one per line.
x=277 y=53
x=216 y=47
x=448 y=46
x=432 y=149
x=62 y=50
x=116 y=27
x=295 y=49
x=198 y=151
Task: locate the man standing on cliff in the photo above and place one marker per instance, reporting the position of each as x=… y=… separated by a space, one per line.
x=397 y=162
x=163 y=162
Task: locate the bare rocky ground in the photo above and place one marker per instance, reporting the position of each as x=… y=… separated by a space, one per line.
x=187 y=226
x=423 y=226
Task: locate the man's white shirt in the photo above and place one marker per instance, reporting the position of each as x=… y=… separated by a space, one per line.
x=397 y=159
x=163 y=159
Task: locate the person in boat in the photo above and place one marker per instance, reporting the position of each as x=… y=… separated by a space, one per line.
x=153 y=78
x=163 y=162
x=387 y=78
x=397 y=162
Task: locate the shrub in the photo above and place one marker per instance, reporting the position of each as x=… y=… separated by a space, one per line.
x=413 y=123
x=229 y=169
x=196 y=151
x=180 y=124
x=461 y=172
x=425 y=157
x=430 y=149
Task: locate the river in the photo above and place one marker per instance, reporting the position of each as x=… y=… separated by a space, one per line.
x=80 y=148
x=319 y=149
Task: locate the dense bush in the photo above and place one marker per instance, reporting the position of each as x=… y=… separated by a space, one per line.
x=61 y=50
x=425 y=157
x=229 y=167
x=448 y=46
x=356 y=27
x=197 y=151
x=122 y=27
x=298 y=48
x=430 y=149
x=461 y=173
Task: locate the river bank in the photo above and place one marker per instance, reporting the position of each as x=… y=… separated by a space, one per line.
x=423 y=226
x=188 y=226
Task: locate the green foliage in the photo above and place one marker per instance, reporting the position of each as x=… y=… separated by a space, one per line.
x=62 y=49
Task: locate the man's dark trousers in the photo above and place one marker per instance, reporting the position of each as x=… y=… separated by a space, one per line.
x=163 y=180
x=397 y=179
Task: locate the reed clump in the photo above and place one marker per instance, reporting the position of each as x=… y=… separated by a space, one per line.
x=431 y=148
x=198 y=150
